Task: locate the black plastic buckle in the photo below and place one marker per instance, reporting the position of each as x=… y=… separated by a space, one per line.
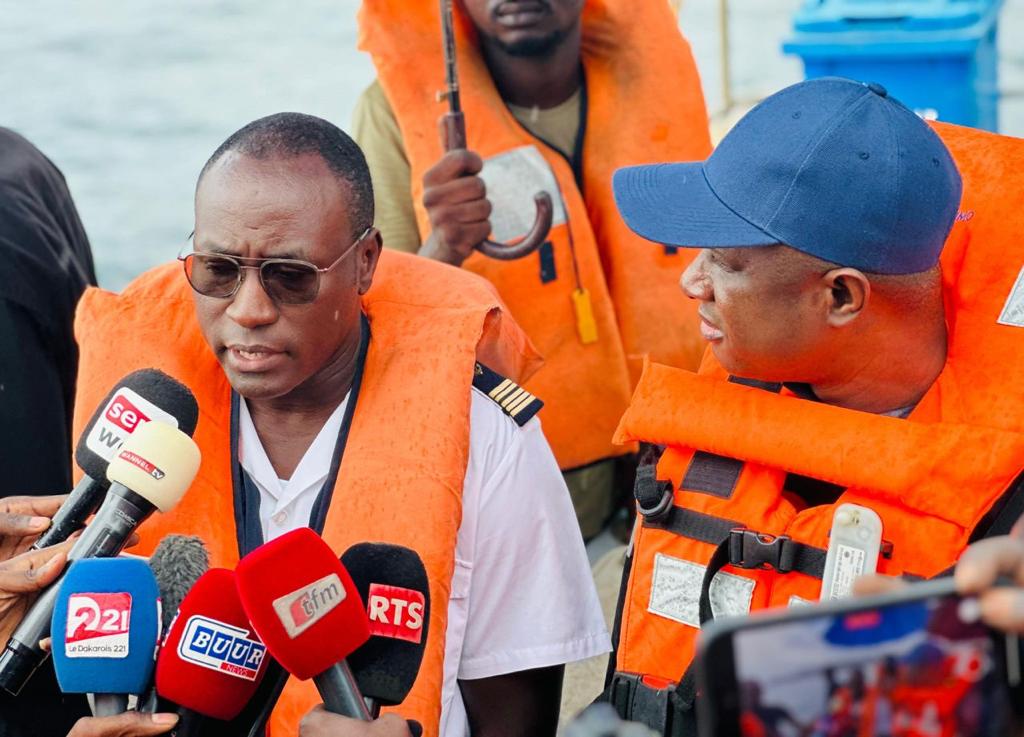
x=751 y=549
x=635 y=701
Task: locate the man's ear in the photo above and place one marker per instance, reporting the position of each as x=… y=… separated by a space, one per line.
x=850 y=291
x=369 y=256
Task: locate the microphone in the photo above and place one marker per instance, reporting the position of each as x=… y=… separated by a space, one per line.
x=140 y=397
x=392 y=581
x=177 y=563
x=302 y=602
x=106 y=625
x=211 y=661
x=153 y=470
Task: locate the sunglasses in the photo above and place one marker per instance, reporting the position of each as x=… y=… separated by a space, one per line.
x=287 y=281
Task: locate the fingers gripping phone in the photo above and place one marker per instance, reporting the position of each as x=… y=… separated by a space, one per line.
x=915 y=663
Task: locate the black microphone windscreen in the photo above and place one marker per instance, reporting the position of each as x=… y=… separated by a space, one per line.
x=178 y=562
x=139 y=397
x=393 y=583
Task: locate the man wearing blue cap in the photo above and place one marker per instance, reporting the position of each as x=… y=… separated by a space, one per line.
x=860 y=409
x=825 y=201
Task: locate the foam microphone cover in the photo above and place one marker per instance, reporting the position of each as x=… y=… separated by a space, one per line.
x=301 y=600
x=392 y=581
x=140 y=397
x=105 y=626
x=211 y=661
x=178 y=562
x=157 y=462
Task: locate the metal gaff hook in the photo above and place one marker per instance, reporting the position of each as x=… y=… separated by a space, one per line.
x=454 y=122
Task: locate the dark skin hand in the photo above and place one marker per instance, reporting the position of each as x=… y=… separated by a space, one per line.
x=524 y=704
x=532 y=49
x=22 y=577
x=129 y=724
x=22 y=519
x=22 y=574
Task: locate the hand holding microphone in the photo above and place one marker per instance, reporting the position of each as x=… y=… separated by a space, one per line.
x=23 y=519
x=153 y=470
x=22 y=578
x=23 y=574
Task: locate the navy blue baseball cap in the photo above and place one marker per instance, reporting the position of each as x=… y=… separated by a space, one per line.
x=831 y=167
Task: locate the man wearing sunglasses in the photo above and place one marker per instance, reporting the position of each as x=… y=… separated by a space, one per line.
x=353 y=392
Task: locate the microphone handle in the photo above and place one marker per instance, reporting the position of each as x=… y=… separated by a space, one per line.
x=338 y=689
x=83 y=500
x=121 y=512
x=109 y=704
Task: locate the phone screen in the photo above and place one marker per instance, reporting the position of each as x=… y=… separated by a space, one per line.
x=925 y=668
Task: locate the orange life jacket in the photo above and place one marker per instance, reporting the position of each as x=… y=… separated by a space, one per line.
x=643 y=104
x=932 y=478
x=401 y=475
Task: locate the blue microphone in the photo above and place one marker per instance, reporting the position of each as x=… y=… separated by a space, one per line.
x=105 y=628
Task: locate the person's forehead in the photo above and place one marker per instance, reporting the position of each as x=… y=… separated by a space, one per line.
x=272 y=176
x=297 y=196
x=300 y=187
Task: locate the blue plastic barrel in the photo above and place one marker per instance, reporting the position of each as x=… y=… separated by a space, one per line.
x=936 y=56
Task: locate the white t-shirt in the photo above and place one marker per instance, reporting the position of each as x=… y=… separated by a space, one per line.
x=522 y=594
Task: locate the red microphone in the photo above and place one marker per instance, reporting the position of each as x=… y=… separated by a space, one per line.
x=211 y=661
x=302 y=602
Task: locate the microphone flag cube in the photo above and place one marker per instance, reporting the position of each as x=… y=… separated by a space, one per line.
x=147 y=395
x=303 y=603
x=392 y=580
x=211 y=661
x=106 y=626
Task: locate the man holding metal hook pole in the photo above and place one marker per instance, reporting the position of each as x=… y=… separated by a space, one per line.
x=552 y=96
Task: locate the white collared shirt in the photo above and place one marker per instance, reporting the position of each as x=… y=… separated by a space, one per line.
x=522 y=593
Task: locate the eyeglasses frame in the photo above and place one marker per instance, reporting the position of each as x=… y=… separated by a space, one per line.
x=259 y=263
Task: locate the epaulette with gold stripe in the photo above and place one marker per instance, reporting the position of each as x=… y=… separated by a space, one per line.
x=514 y=401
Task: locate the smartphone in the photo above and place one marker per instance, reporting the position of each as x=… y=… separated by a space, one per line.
x=913 y=663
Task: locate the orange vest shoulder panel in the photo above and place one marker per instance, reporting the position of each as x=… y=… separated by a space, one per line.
x=401 y=477
x=632 y=53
